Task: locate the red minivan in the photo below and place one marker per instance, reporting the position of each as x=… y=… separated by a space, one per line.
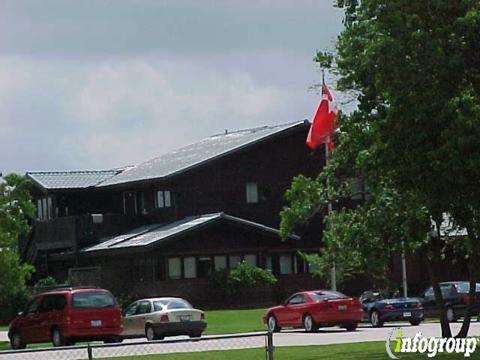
x=64 y=316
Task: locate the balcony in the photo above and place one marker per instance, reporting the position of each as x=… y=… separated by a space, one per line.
x=73 y=232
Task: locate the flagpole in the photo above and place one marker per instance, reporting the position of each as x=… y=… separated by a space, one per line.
x=333 y=271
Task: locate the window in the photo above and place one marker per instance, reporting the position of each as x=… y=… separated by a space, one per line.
x=327 y=295
x=33 y=306
x=163 y=199
x=159 y=305
x=205 y=266
x=144 y=308
x=285 y=264
x=220 y=262
x=140 y=202
x=131 y=310
x=356 y=189
x=178 y=304
x=174 y=268
x=166 y=197
x=251 y=259
x=296 y=299
x=45 y=208
x=49 y=207
x=252 y=193
x=40 y=209
x=190 y=267
x=92 y=300
x=269 y=263
x=235 y=260
x=52 y=303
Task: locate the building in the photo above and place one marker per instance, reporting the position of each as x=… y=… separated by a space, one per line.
x=163 y=226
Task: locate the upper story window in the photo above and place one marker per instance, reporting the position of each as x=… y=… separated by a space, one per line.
x=163 y=199
x=45 y=208
x=252 y=193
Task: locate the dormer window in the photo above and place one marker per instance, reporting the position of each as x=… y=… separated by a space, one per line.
x=163 y=199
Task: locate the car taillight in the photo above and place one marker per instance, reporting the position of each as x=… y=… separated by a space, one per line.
x=419 y=305
x=466 y=298
x=164 y=318
x=202 y=316
x=389 y=307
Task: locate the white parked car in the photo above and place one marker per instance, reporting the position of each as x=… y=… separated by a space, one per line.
x=156 y=318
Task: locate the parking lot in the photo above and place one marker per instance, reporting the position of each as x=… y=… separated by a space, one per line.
x=325 y=336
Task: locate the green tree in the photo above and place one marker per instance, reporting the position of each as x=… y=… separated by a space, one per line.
x=416 y=69
x=16 y=210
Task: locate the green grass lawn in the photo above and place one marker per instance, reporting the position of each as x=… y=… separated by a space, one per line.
x=234 y=321
x=3 y=327
x=364 y=351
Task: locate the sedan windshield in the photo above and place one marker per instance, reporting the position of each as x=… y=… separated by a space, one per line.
x=178 y=304
x=327 y=295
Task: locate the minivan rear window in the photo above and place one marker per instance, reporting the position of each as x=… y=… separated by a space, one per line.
x=92 y=300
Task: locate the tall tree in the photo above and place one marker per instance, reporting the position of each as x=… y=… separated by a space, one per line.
x=16 y=210
x=416 y=69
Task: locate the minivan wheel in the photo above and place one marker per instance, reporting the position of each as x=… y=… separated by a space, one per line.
x=150 y=333
x=16 y=341
x=57 y=338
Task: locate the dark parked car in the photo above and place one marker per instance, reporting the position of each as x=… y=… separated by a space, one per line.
x=379 y=308
x=314 y=309
x=64 y=316
x=455 y=297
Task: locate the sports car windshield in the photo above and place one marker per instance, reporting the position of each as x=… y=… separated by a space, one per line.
x=327 y=295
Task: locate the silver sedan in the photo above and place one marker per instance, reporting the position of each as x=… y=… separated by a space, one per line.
x=156 y=318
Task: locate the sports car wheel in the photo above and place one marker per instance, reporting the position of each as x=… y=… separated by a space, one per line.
x=272 y=324
x=415 y=322
x=375 y=319
x=309 y=324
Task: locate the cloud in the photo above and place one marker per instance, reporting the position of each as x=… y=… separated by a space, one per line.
x=102 y=112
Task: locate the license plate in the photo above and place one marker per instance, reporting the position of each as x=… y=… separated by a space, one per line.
x=184 y=317
x=342 y=307
x=407 y=314
x=96 y=323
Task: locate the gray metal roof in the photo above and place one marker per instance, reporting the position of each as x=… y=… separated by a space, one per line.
x=158 y=233
x=51 y=180
x=196 y=154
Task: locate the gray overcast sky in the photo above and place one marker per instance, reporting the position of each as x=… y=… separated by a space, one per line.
x=100 y=84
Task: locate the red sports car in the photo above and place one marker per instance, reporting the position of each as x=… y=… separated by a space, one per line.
x=314 y=309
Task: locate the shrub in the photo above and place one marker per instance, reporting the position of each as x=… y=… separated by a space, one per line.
x=231 y=281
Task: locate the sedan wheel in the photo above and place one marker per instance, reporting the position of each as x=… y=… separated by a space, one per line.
x=150 y=333
x=272 y=324
x=375 y=319
x=17 y=342
x=309 y=324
